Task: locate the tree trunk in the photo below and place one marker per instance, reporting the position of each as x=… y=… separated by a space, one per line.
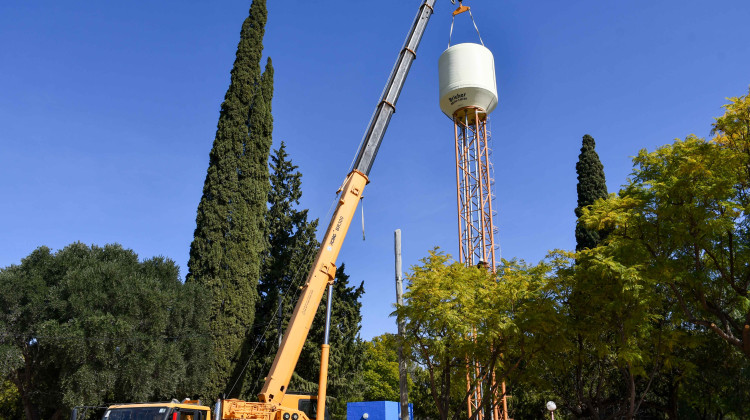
x=672 y=413
x=631 y=397
x=23 y=383
x=446 y=389
x=28 y=407
x=58 y=414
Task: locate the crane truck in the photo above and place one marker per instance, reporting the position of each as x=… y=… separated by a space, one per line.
x=275 y=402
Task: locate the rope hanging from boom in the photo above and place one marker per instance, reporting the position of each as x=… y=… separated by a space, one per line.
x=463 y=9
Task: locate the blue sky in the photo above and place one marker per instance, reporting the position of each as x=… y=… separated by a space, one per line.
x=108 y=111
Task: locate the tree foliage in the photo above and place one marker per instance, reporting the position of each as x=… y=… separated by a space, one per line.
x=380 y=371
x=509 y=314
x=381 y=377
x=91 y=325
x=615 y=339
x=685 y=211
x=225 y=254
x=716 y=384
x=10 y=401
x=643 y=313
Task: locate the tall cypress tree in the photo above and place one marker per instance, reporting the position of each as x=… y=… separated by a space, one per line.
x=591 y=186
x=225 y=254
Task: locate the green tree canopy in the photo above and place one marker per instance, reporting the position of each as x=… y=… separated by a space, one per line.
x=644 y=314
x=91 y=325
x=510 y=314
x=685 y=211
x=615 y=338
x=381 y=369
x=10 y=401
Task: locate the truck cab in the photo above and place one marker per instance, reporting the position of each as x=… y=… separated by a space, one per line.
x=174 y=410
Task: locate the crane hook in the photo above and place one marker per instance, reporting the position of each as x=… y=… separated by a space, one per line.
x=461 y=8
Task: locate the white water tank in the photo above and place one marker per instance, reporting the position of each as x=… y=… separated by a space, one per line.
x=467 y=78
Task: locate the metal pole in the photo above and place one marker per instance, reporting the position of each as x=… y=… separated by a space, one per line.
x=403 y=391
x=324 y=352
x=328 y=314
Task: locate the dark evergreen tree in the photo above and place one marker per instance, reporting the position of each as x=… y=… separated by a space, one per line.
x=225 y=255
x=286 y=262
x=591 y=186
